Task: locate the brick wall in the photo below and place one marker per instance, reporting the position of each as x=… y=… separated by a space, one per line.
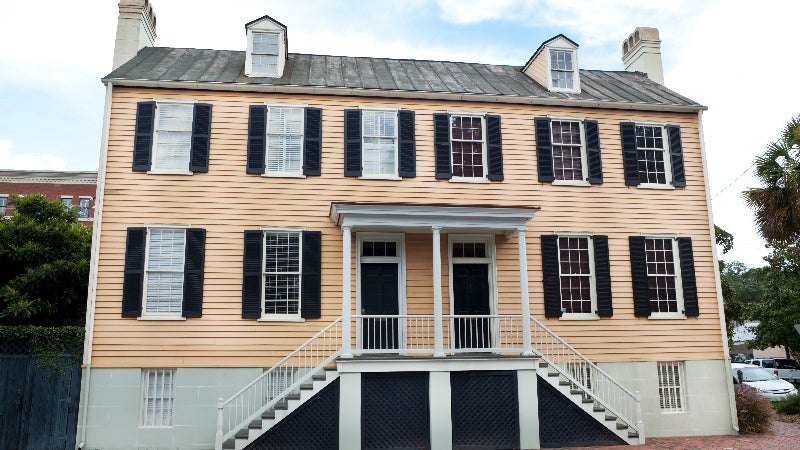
x=52 y=191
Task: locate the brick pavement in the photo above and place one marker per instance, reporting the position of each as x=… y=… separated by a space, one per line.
x=783 y=436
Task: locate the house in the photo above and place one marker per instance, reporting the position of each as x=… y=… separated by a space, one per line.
x=743 y=334
x=305 y=251
x=73 y=189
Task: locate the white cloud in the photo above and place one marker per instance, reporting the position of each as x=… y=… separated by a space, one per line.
x=28 y=161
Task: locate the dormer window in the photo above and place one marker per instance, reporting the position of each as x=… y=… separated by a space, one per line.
x=554 y=65
x=265 y=53
x=562 y=69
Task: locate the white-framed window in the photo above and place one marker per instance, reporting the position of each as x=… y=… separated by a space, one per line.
x=67 y=202
x=577 y=276
x=671 y=397
x=663 y=276
x=285 y=125
x=468 y=144
x=3 y=205
x=164 y=263
x=265 y=53
x=282 y=274
x=172 y=137
x=84 y=203
x=652 y=154
x=158 y=397
x=562 y=64
x=379 y=146
x=569 y=150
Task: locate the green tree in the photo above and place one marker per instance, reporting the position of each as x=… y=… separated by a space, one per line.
x=734 y=309
x=777 y=202
x=44 y=264
x=779 y=309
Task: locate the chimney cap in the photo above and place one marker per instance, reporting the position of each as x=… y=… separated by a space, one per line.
x=639 y=34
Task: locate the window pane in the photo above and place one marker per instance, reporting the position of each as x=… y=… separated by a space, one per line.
x=379 y=145
x=175 y=117
x=651 y=154
x=265 y=43
x=285 y=140
x=3 y=205
x=661 y=275
x=282 y=273
x=282 y=252
x=166 y=248
x=575 y=278
x=158 y=397
x=265 y=64
x=83 y=208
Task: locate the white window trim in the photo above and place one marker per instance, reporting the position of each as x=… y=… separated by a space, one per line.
x=485 y=177
x=279 y=65
x=142 y=403
x=154 y=147
x=667 y=157
x=592 y=277
x=681 y=387
x=88 y=216
x=299 y=173
x=576 y=79
x=584 y=181
x=5 y=196
x=395 y=176
x=282 y=317
x=676 y=261
x=402 y=307
x=158 y=316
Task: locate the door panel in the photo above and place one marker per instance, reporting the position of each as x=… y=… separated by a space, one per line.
x=471 y=297
x=379 y=283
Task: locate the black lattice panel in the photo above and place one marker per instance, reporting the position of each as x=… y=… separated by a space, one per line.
x=484 y=409
x=564 y=424
x=15 y=347
x=314 y=425
x=395 y=410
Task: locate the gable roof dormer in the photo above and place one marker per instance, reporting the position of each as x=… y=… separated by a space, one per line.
x=554 y=65
x=266 y=48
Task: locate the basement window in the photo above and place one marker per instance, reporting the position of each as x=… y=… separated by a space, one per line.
x=158 y=397
x=670 y=389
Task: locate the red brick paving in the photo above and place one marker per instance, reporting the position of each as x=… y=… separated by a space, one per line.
x=783 y=436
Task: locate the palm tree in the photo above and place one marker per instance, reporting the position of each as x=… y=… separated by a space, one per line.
x=777 y=203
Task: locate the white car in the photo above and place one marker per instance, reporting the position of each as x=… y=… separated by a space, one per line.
x=763 y=381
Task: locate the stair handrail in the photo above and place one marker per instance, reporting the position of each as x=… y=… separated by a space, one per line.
x=242 y=413
x=633 y=419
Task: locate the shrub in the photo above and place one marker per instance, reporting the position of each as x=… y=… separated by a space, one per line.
x=789 y=406
x=753 y=411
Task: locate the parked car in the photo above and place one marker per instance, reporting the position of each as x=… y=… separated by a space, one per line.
x=766 y=383
x=785 y=369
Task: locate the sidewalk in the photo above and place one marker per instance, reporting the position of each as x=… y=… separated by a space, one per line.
x=783 y=436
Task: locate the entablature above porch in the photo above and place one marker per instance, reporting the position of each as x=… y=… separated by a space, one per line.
x=419 y=218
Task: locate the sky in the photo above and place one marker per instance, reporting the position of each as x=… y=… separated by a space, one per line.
x=732 y=56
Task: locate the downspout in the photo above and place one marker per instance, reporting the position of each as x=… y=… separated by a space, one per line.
x=92 y=294
x=717 y=279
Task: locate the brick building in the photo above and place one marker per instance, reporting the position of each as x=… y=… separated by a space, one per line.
x=74 y=189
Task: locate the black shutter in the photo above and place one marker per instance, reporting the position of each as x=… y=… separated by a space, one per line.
x=594 y=162
x=143 y=136
x=641 y=296
x=550 y=278
x=312 y=143
x=201 y=137
x=494 y=148
x=311 y=275
x=630 y=159
x=602 y=276
x=407 y=146
x=133 y=278
x=251 y=280
x=676 y=156
x=256 y=139
x=544 y=150
x=690 y=306
x=193 y=272
x=352 y=142
x=441 y=146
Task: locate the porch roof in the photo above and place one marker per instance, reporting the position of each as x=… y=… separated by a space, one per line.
x=421 y=218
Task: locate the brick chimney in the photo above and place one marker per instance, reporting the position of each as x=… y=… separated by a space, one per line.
x=136 y=29
x=641 y=52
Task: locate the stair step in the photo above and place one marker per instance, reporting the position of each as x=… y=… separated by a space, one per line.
x=587 y=400
x=564 y=383
x=574 y=391
x=229 y=444
x=610 y=417
x=633 y=434
x=552 y=374
x=319 y=376
x=255 y=424
x=242 y=434
x=307 y=386
x=283 y=404
x=269 y=414
x=543 y=364
x=599 y=409
x=622 y=426
x=293 y=396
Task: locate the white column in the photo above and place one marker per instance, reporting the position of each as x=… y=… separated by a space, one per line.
x=527 y=392
x=437 y=294
x=350 y=410
x=527 y=349
x=346 y=286
x=440 y=411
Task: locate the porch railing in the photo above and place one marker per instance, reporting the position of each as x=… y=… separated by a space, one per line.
x=571 y=364
x=414 y=334
x=276 y=383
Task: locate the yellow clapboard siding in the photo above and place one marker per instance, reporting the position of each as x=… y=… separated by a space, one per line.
x=226 y=201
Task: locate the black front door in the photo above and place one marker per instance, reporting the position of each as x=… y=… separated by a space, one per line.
x=379 y=297
x=471 y=298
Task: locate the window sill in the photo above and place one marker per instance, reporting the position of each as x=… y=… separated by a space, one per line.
x=668 y=187
x=666 y=316
x=571 y=183
x=169 y=172
x=282 y=175
x=295 y=319
x=582 y=316
x=155 y=427
x=159 y=317
x=379 y=177
x=674 y=412
x=469 y=180
x=85 y=219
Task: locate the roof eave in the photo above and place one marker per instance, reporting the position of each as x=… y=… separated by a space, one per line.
x=357 y=92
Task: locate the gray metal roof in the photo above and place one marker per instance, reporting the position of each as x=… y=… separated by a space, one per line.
x=168 y=67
